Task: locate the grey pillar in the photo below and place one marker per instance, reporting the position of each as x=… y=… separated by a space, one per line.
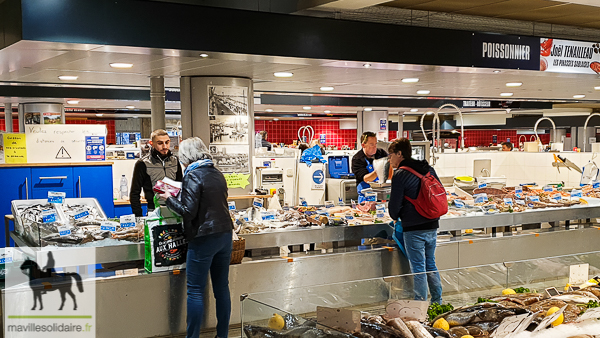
x=157 y=102
x=8 y=120
x=217 y=100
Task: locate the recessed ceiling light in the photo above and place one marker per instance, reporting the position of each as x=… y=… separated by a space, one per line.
x=130 y=107
x=257 y=117
x=497 y=71
x=414 y=110
x=368 y=109
x=506 y=94
x=514 y=84
x=423 y=92
x=429 y=112
x=135 y=117
x=99 y=115
x=410 y=80
x=275 y=119
x=327 y=111
x=327 y=89
x=578 y=96
x=203 y=55
x=597 y=88
x=307 y=108
x=283 y=74
x=268 y=110
x=121 y=65
x=68 y=77
x=72 y=102
x=367 y=65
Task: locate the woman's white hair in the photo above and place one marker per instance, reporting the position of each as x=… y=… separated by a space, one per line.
x=192 y=150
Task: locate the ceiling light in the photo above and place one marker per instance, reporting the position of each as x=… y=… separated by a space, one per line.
x=327 y=111
x=597 y=88
x=410 y=80
x=367 y=65
x=121 y=65
x=135 y=117
x=268 y=110
x=414 y=110
x=68 y=77
x=275 y=119
x=283 y=74
x=203 y=55
x=72 y=102
x=368 y=109
x=497 y=71
x=257 y=117
x=99 y=115
x=514 y=84
x=307 y=108
x=429 y=112
x=326 y=89
x=423 y=92
x=506 y=94
x=578 y=96
x=130 y=107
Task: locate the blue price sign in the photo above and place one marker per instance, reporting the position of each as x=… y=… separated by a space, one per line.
x=382 y=124
x=127 y=221
x=534 y=198
x=108 y=226
x=258 y=202
x=576 y=193
x=48 y=216
x=56 y=197
x=557 y=196
x=64 y=231
x=508 y=201
x=95 y=148
x=483 y=185
x=459 y=203
x=518 y=190
x=548 y=188
x=231 y=205
x=82 y=214
x=322 y=138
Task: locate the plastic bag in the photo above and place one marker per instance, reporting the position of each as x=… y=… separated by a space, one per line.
x=380 y=166
x=312 y=153
x=165 y=243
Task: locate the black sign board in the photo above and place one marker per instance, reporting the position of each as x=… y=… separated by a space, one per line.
x=505 y=51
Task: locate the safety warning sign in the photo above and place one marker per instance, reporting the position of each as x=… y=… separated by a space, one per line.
x=95 y=148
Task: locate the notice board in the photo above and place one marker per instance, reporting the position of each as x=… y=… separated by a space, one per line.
x=59 y=142
x=14 y=147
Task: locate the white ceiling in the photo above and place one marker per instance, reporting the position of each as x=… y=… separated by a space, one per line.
x=28 y=62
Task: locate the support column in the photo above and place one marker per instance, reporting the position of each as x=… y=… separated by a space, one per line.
x=8 y=120
x=220 y=111
x=157 y=102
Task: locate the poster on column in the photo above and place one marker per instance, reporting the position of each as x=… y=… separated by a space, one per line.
x=565 y=56
x=52 y=143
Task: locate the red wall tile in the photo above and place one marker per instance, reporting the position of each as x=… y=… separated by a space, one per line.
x=287 y=131
x=474 y=138
x=111 y=137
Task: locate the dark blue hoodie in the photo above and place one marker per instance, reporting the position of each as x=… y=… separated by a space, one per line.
x=404 y=183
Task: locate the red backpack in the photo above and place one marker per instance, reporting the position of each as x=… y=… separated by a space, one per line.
x=431 y=202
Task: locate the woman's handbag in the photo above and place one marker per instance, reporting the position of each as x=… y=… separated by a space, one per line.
x=239 y=247
x=165 y=243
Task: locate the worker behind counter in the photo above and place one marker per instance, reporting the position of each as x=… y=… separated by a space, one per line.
x=507 y=146
x=264 y=142
x=362 y=162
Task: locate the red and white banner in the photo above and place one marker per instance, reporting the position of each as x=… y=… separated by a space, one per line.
x=565 y=56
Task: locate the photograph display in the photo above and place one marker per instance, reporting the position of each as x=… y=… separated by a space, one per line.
x=52 y=118
x=32 y=118
x=224 y=100
x=229 y=129
x=230 y=159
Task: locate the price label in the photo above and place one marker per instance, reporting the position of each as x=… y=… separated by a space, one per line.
x=82 y=214
x=380 y=211
x=56 y=197
x=518 y=190
x=482 y=185
x=519 y=196
x=63 y=231
x=508 y=201
x=557 y=196
x=48 y=216
x=481 y=198
x=596 y=185
x=548 y=188
x=521 y=202
x=329 y=204
x=7 y=256
x=349 y=216
x=258 y=202
x=549 y=319
x=513 y=325
x=459 y=203
x=303 y=202
x=108 y=226
x=534 y=198
x=576 y=193
x=268 y=216
x=127 y=221
x=340 y=201
x=371 y=196
x=231 y=205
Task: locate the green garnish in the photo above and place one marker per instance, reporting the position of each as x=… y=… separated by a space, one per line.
x=436 y=309
x=522 y=290
x=485 y=300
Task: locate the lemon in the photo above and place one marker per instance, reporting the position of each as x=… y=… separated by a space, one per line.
x=276 y=322
x=468 y=231
x=465 y=178
x=560 y=318
x=567 y=287
x=441 y=324
x=467 y=336
x=508 y=292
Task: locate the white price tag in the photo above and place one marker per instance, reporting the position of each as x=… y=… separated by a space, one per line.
x=548 y=188
x=63 y=231
x=48 y=216
x=56 y=197
x=258 y=202
x=481 y=198
x=513 y=325
x=576 y=193
x=7 y=256
x=82 y=214
x=231 y=205
x=533 y=198
x=459 y=203
x=593 y=313
x=127 y=221
x=508 y=201
x=407 y=309
x=268 y=216
x=518 y=190
x=521 y=202
x=108 y=226
x=303 y=202
x=329 y=204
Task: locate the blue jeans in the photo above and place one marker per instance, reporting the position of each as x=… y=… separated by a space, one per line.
x=208 y=253
x=420 y=250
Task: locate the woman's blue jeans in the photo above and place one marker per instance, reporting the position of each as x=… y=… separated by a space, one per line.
x=208 y=253
x=420 y=250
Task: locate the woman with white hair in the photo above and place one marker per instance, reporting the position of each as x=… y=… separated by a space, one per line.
x=208 y=228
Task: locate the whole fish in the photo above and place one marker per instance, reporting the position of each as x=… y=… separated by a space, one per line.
x=458 y=332
x=418 y=330
x=460 y=318
x=399 y=325
x=380 y=331
x=434 y=332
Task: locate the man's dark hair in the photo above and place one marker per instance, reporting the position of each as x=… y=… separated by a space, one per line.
x=401 y=145
x=365 y=136
x=507 y=144
x=302 y=146
x=263 y=134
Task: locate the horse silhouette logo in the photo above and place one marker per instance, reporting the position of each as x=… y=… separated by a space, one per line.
x=47 y=280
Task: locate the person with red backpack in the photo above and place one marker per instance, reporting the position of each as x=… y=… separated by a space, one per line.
x=417 y=201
